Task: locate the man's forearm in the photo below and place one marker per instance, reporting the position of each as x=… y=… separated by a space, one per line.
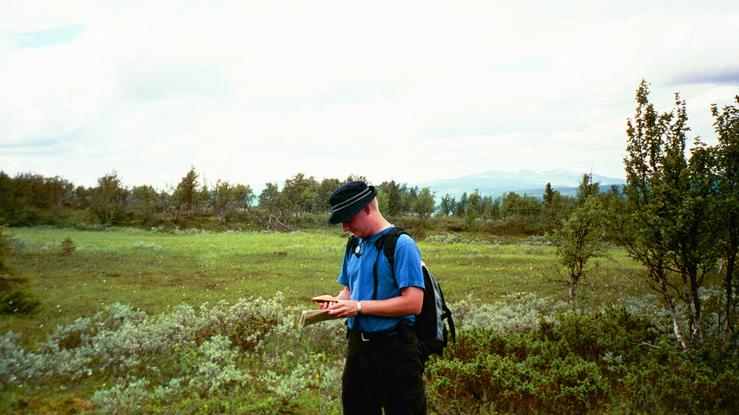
x=344 y=294
x=409 y=302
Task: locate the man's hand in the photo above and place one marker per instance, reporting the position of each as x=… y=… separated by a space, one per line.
x=343 y=308
x=324 y=302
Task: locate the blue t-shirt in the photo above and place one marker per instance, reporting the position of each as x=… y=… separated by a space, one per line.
x=356 y=273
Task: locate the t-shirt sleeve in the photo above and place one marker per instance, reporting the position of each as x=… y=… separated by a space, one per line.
x=408 y=272
x=343 y=278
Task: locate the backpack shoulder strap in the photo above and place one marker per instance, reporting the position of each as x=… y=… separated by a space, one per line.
x=386 y=243
x=446 y=314
x=351 y=245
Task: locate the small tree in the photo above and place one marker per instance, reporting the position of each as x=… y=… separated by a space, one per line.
x=489 y=207
x=552 y=211
x=325 y=189
x=461 y=206
x=447 y=205
x=221 y=199
x=579 y=240
x=271 y=202
x=143 y=203
x=548 y=195
x=587 y=188
x=299 y=194
x=269 y=198
x=394 y=199
x=726 y=125
x=645 y=215
x=424 y=207
x=670 y=222
x=474 y=207
x=244 y=196
x=67 y=247
x=109 y=199
x=186 y=193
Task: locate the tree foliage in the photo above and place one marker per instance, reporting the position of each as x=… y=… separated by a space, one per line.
x=579 y=239
x=587 y=188
x=298 y=195
x=109 y=199
x=447 y=205
x=143 y=202
x=244 y=196
x=673 y=214
x=187 y=191
x=726 y=125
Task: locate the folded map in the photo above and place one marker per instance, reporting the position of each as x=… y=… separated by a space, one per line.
x=309 y=317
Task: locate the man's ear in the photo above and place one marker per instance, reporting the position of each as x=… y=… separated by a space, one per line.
x=366 y=210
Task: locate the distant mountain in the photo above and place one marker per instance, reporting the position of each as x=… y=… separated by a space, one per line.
x=528 y=182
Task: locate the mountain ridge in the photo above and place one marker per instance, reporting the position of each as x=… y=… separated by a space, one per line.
x=525 y=181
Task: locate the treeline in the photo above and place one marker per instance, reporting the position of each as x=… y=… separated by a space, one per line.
x=31 y=199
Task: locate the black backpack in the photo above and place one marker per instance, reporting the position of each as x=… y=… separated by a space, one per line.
x=430 y=327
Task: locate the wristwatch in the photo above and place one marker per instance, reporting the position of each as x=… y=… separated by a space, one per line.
x=359 y=307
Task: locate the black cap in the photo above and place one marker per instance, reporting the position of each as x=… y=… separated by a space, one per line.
x=349 y=199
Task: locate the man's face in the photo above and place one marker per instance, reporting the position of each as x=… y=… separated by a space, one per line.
x=357 y=224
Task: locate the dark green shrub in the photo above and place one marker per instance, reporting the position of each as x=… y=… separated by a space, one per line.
x=517 y=373
x=4 y=248
x=67 y=247
x=15 y=301
x=607 y=361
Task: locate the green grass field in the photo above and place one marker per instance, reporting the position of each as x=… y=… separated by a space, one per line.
x=77 y=353
x=153 y=271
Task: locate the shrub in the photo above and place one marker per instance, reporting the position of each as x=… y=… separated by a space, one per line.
x=572 y=362
x=522 y=354
x=188 y=358
x=518 y=312
x=15 y=301
x=67 y=247
x=4 y=248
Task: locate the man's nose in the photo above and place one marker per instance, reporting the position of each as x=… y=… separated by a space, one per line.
x=345 y=227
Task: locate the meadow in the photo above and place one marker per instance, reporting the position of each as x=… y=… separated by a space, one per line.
x=152 y=271
x=141 y=321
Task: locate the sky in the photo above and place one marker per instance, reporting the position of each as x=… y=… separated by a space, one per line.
x=258 y=91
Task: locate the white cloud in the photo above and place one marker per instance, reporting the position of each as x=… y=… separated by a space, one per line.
x=258 y=91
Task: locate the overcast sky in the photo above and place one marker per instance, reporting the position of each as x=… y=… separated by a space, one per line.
x=257 y=91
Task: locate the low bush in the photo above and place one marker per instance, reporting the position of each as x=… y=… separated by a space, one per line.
x=17 y=301
x=521 y=354
x=220 y=356
x=574 y=362
x=67 y=247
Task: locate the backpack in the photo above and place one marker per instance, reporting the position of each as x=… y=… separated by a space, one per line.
x=430 y=324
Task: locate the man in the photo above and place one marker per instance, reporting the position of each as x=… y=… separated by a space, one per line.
x=383 y=367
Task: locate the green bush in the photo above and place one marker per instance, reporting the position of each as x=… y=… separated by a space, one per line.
x=16 y=301
x=67 y=247
x=518 y=355
x=244 y=357
x=576 y=362
x=4 y=247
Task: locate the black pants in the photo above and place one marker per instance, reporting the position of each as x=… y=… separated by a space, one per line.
x=384 y=373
